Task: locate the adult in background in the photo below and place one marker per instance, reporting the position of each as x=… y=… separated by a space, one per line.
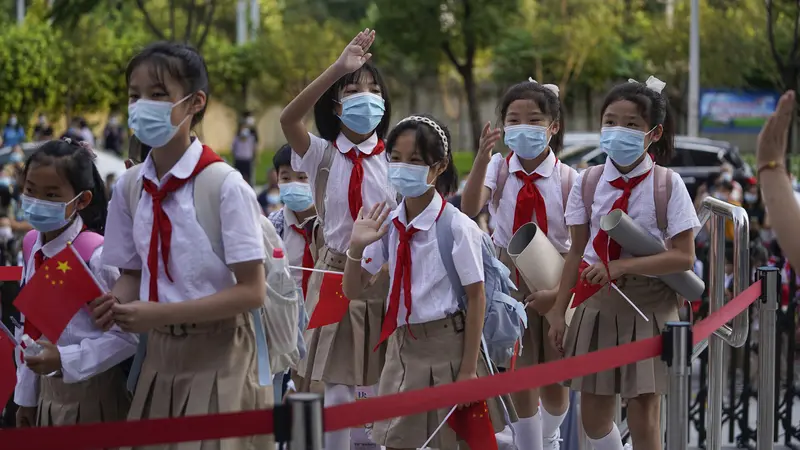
x=250 y=122
x=244 y=151
x=113 y=135
x=776 y=184
x=43 y=131
x=13 y=133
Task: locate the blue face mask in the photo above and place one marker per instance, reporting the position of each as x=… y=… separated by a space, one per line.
x=296 y=196
x=409 y=180
x=527 y=141
x=623 y=145
x=151 y=121
x=46 y=216
x=362 y=113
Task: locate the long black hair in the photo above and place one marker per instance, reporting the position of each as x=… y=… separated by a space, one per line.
x=181 y=62
x=328 y=123
x=547 y=101
x=431 y=149
x=76 y=164
x=654 y=109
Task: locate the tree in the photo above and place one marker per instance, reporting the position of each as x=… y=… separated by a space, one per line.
x=458 y=29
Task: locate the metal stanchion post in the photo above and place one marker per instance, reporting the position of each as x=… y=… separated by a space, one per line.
x=767 y=316
x=716 y=345
x=306 y=417
x=677 y=350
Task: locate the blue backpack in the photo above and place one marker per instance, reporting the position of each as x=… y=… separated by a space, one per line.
x=505 y=319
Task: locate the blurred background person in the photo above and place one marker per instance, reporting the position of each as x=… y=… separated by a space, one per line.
x=13 y=133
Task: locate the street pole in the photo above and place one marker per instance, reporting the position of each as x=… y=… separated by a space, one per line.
x=20 y=11
x=241 y=22
x=693 y=124
x=255 y=18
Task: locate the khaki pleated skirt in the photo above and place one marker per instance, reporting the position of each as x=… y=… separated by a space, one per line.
x=198 y=369
x=342 y=353
x=536 y=346
x=102 y=398
x=606 y=320
x=432 y=359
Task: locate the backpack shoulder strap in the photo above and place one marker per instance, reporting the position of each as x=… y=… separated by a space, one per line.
x=500 y=184
x=567 y=179
x=662 y=191
x=27 y=244
x=132 y=188
x=207 y=191
x=444 y=239
x=86 y=243
x=591 y=177
x=321 y=181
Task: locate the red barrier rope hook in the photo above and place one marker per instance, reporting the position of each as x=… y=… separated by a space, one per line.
x=185 y=429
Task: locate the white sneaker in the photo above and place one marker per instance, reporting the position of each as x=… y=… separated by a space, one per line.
x=552 y=442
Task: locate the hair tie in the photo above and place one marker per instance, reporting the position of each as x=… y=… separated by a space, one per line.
x=550 y=87
x=433 y=125
x=83 y=144
x=652 y=83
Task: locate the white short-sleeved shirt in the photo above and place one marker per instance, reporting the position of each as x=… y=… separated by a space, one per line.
x=432 y=294
x=295 y=243
x=338 y=224
x=681 y=215
x=196 y=270
x=550 y=188
x=85 y=350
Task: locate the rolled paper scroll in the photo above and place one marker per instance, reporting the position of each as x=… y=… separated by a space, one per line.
x=538 y=262
x=638 y=242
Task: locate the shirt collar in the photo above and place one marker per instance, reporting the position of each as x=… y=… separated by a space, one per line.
x=425 y=220
x=182 y=169
x=290 y=218
x=52 y=248
x=344 y=145
x=611 y=173
x=545 y=168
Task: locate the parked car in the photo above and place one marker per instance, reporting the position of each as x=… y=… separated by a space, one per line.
x=696 y=160
x=107 y=162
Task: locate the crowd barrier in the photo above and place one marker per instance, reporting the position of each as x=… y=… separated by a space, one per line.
x=296 y=420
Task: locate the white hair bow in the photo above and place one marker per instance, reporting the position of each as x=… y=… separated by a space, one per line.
x=652 y=83
x=550 y=87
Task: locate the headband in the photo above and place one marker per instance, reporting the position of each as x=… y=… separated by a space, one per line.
x=433 y=125
x=652 y=83
x=550 y=87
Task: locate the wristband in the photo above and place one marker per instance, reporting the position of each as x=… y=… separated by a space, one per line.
x=770 y=165
x=351 y=258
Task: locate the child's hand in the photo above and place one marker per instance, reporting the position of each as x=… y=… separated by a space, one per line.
x=101 y=311
x=46 y=362
x=558 y=328
x=773 y=137
x=489 y=137
x=541 y=301
x=369 y=227
x=137 y=317
x=598 y=275
x=355 y=54
x=464 y=376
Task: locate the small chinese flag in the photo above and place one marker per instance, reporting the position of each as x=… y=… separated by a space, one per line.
x=56 y=292
x=8 y=372
x=583 y=290
x=474 y=426
x=332 y=304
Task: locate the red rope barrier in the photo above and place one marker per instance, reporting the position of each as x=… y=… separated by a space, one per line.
x=185 y=429
x=10 y=273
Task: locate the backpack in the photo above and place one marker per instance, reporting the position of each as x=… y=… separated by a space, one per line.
x=85 y=244
x=505 y=319
x=567 y=180
x=662 y=191
x=277 y=323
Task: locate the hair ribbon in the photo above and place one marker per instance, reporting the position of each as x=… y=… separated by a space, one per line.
x=550 y=87
x=652 y=83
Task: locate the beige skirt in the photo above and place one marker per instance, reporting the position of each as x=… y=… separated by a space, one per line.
x=606 y=320
x=432 y=359
x=536 y=347
x=198 y=369
x=102 y=398
x=342 y=353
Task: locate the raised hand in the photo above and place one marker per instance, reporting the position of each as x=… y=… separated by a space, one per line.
x=355 y=54
x=369 y=226
x=773 y=137
x=489 y=138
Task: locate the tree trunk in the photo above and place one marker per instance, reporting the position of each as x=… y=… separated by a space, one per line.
x=471 y=89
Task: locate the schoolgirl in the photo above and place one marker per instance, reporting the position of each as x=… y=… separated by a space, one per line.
x=635 y=120
x=77 y=379
x=193 y=305
x=352 y=111
x=530 y=184
x=431 y=341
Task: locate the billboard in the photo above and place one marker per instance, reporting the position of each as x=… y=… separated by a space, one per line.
x=729 y=111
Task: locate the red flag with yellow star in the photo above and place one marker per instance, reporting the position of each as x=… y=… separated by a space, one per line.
x=61 y=286
x=332 y=304
x=474 y=426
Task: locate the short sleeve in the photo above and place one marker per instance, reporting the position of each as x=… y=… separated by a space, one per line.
x=576 y=210
x=119 y=249
x=681 y=214
x=492 y=170
x=467 y=250
x=107 y=276
x=240 y=215
x=309 y=162
x=375 y=256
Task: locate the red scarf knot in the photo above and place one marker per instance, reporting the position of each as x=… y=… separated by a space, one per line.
x=308 y=260
x=354 y=196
